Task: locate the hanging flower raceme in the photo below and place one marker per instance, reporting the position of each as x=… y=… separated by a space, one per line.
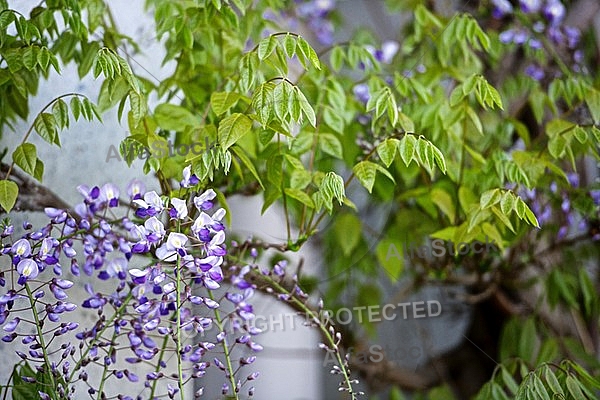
x=144 y=304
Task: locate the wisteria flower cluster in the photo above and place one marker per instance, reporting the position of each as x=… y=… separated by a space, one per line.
x=556 y=206
x=153 y=279
x=537 y=22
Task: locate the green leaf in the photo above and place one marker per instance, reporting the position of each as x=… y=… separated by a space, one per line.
x=174 y=118
x=334 y=185
x=444 y=201
x=552 y=381
x=308 y=53
x=507 y=202
x=221 y=102
x=366 y=171
x=574 y=390
x=300 y=195
x=232 y=128
x=588 y=291
x=347 y=229
x=60 y=110
x=592 y=100
x=548 y=351
x=39 y=170
x=387 y=150
x=289 y=45
x=266 y=47
x=508 y=379
x=305 y=106
x=239 y=152
x=45 y=126
x=29 y=57
x=75 y=107
x=503 y=218
x=426 y=154
x=527 y=340
x=336 y=58
x=300 y=179
x=406 y=123
x=406 y=147
x=475 y=120
x=9 y=191
x=390 y=255
x=540 y=390
x=263 y=102
x=25 y=156
x=331 y=145
x=333 y=119
x=138 y=106
x=22 y=390
x=489 y=198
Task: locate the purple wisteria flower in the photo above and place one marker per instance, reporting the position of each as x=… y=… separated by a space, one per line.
x=501 y=8
x=151 y=205
x=530 y=6
x=189 y=179
x=140 y=305
x=174 y=246
x=27 y=269
x=554 y=11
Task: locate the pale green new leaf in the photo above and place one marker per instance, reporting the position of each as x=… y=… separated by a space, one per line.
x=45 y=126
x=305 y=106
x=9 y=191
x=239 y=152
x=172 y=117
x=366 y=171
x=266 y=47
x=25 y=156
x=232 y=128
x=331 y=145
x=221 y=102
x=386 y=150
x=308 y=52
x=60 y=110
x=300 y=195
x=406 y=147
x=574 y=389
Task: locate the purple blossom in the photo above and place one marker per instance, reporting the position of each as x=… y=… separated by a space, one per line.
x=573 y=35
x=203 y=202
x=21 y=248
x=530 y=6
x=151 y=205
x=501 y=8
x=535 y=72
x=109 y=193
x=179 y=208
x=153 y=230
x=189 y=179
x=28 y=269
x=595 y=195
x=361 y=92
x=573 y=179
x=135 y=189
x=174 y=245
x=554 y=11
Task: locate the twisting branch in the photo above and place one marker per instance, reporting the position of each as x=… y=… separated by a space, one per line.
x=32 y=195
